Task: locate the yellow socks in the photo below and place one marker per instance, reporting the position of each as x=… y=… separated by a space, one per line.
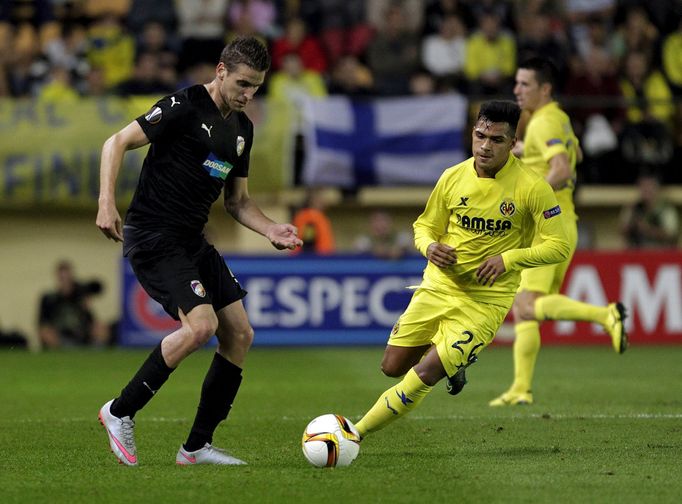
x=526 y=348
x=559 y=307
x=394 y=403
x=527 y=342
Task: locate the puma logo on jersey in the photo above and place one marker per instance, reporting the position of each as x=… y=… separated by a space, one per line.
x=174 y=102
x=207 y=128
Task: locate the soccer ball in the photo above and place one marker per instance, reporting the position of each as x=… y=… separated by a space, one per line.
x=330 y=441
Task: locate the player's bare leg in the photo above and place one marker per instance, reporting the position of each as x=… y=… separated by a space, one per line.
x=117 y=415
x=198 y=326
x=219 y=389
x=399 y=360
x=404 y=396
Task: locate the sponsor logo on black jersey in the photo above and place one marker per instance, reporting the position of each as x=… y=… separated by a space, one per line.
x=480 y=225
x=552 y=212
x=216 y=167
x=154 y=115
x=240 y=145
x=507 y=208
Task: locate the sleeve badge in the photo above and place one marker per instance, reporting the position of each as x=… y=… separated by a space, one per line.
x=154 y=115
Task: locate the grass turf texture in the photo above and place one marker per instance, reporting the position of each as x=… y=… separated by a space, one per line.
x=604 y=428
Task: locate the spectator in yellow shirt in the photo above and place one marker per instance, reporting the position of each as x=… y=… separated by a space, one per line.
x=58 y=89
x=645 y=90
x=111 y=49
x=490 y=57
x=672 y=59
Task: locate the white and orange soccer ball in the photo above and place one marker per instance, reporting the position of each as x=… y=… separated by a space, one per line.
x=330 y=441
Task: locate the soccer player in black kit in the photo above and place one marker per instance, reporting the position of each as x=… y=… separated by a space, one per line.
x=200 y=145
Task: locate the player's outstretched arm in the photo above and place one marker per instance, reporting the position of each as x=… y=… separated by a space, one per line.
x=108 y=218
x=239 y=205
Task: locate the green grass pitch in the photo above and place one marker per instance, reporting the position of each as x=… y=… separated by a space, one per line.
x=604 y=428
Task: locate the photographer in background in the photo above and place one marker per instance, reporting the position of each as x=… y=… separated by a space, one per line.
x=652 y=221
x=65 y=318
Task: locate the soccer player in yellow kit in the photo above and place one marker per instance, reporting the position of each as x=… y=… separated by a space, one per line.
x=476 y=232
x=551 y=149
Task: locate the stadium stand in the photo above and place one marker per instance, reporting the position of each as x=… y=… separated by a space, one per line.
x=619 y=60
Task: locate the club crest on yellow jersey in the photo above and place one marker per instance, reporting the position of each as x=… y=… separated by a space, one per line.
x=507 y=208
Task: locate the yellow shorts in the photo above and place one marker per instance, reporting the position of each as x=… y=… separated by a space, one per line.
x=548 y=279
x=458 y=326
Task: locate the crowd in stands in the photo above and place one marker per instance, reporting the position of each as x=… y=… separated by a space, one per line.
x=620 y=61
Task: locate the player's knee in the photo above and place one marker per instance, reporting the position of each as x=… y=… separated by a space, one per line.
x=392 y=367
x=523 y=310
x=391 y=370
x=244 y=338
x=386 y=367
x=202 y=330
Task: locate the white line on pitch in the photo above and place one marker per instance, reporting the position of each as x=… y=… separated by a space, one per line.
x=533 y=416
x=83 y=419
x=548 y=416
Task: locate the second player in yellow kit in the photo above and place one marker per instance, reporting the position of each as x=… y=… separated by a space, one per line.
x=550 y=149
x=549 y=135
x=476 y=232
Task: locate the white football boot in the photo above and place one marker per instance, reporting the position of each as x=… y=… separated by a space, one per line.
x=209 y=454
x=121 y=435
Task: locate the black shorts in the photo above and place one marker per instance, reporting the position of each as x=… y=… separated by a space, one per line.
x=182 y=273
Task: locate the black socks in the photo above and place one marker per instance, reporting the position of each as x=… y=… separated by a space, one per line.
x=217 y=394
x=147 y=381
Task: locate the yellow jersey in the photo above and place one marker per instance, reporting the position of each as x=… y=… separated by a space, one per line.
x=549 y=132
x=482 y=217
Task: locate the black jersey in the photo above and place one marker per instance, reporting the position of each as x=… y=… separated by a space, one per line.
x=193 y=151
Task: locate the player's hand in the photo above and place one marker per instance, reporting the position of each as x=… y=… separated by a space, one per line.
x=283 y=236
x=491 y=268
x=109 y=221
x=441 y=255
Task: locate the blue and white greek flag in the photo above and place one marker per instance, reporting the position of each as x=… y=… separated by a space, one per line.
x=392 y=141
